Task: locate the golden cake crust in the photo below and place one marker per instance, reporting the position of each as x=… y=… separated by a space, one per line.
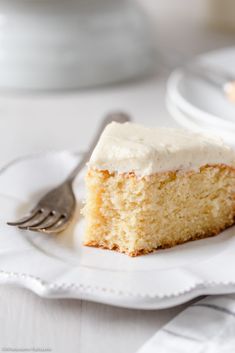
x=166 y=246
x=127 y=213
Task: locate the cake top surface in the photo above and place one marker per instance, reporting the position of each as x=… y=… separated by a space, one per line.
x=134 y=148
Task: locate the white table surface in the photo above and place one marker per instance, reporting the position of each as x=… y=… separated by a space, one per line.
x=35 y=123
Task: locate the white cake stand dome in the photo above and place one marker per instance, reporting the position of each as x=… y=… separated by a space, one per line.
x=56 y=44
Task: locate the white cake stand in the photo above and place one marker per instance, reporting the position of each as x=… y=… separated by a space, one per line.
x=56 y=44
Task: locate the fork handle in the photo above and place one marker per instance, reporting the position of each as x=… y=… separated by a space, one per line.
x=117 y=116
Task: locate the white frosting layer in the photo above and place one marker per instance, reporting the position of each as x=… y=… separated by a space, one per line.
x=133 y=148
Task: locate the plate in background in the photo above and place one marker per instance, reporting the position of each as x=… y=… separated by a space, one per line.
x=199 y=100
x=192 y=123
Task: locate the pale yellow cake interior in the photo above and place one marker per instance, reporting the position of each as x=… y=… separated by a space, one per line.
x=137 y=215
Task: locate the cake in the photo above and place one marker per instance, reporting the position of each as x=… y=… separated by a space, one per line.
x=154 y=188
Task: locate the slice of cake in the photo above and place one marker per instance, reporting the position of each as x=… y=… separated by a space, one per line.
x=151 y=188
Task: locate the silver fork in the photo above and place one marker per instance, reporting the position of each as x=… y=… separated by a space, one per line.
x=55 y=210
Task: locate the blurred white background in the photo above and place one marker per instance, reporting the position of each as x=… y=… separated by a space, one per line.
x=181 y=29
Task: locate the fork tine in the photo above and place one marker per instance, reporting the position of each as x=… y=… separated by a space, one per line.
x=48 y=222
x=40 y=218
x=24 y=219
x=58 y=226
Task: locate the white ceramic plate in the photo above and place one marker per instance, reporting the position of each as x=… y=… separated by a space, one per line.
x=199 y=99
x=191 y=123
x=61 y=267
